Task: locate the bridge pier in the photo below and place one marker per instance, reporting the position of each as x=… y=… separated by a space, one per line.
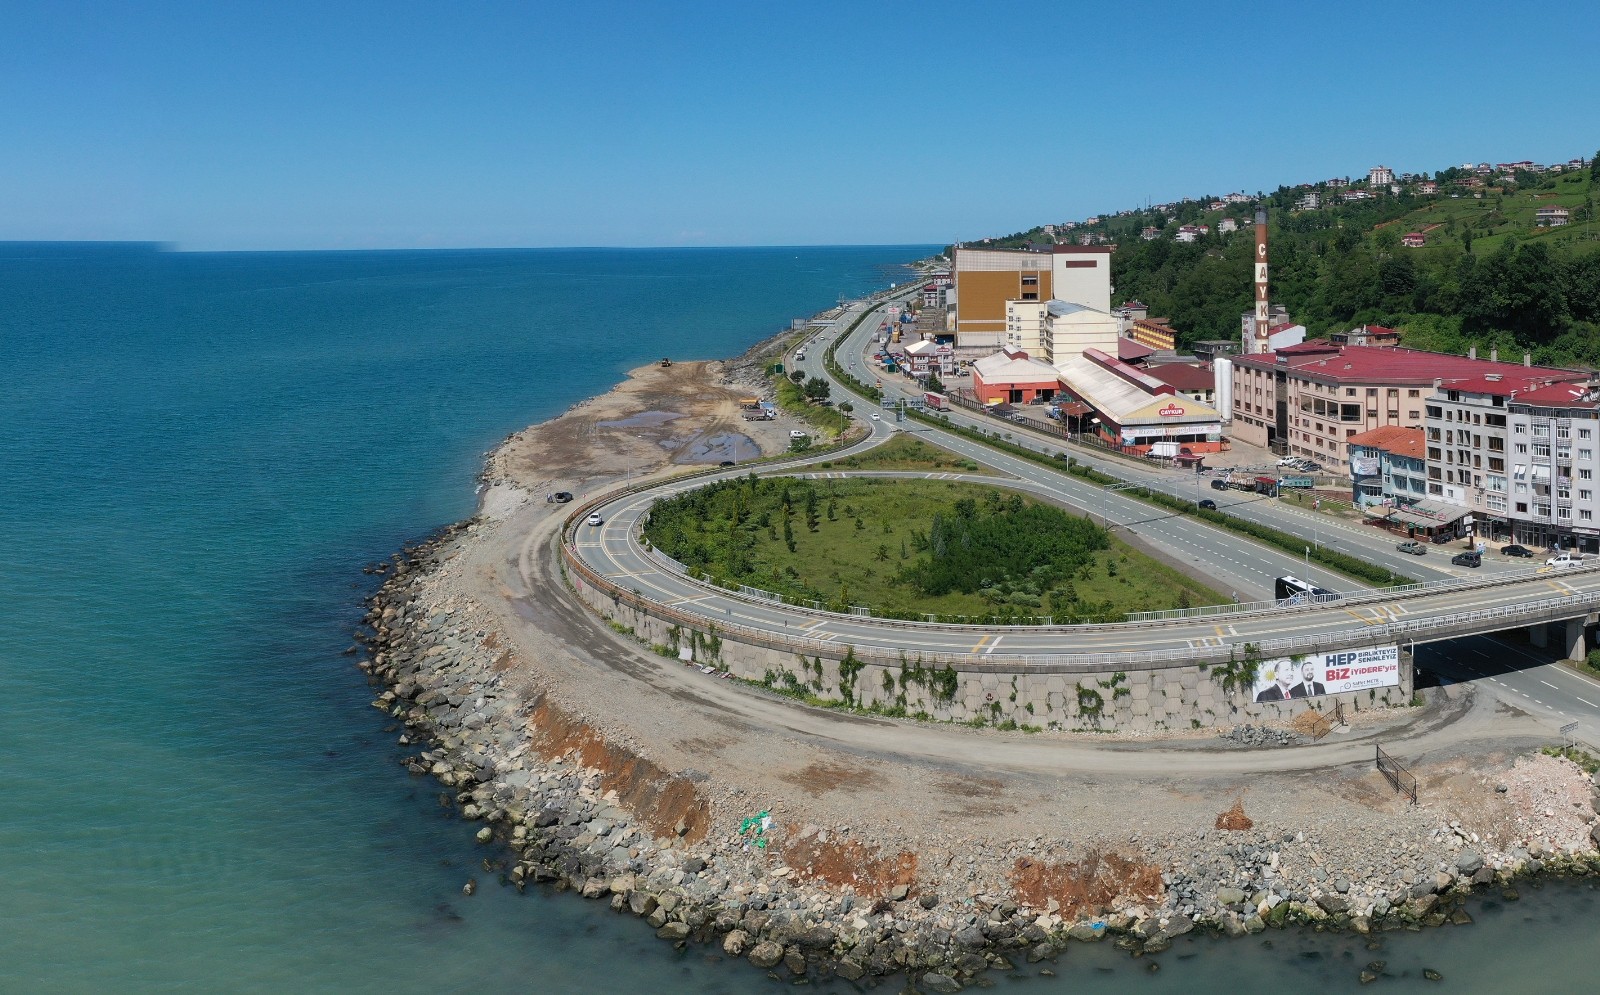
x=1571 y=636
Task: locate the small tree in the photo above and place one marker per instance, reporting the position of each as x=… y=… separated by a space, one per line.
x=798 y=376
x=934 y=383
x=817 y=389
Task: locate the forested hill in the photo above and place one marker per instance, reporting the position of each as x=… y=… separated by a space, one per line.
x=1488 y=274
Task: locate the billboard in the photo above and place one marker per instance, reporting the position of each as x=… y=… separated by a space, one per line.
x=1317 y=674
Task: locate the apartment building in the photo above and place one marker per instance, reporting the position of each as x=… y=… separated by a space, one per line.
x=1311 y=399
x=1517 y=449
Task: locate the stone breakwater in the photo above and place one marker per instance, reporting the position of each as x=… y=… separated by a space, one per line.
x=567 y=809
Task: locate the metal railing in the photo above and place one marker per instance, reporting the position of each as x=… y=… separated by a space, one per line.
x=1402 y=780
x=1409 y=630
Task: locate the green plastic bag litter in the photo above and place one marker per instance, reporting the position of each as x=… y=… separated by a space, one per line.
x=760 y=823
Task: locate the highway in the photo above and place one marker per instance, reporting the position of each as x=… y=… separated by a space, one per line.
x=1494 y=601
x=1367 y=543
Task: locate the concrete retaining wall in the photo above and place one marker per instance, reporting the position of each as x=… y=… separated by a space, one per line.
x=1175 y=698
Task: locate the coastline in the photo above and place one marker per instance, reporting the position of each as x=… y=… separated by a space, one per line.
x=590 y=795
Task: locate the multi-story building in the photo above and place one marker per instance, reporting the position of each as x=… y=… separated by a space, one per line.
x=1380 y=176
x=1388 y=466
x=1502 y=445
x=1551 y=217
x=1309 y=201
x=986 y=279
x=1311 y=399
x=1552 y=502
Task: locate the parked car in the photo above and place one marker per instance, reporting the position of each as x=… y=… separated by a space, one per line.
x=1515 y=550
x=726 y=462
x=595 y=519
x=1208 y=504
x=1413 y=547
x=1219 y=485
x=1441 y=538
x=1566 y=559
x=1469 y=559
x=560 y=497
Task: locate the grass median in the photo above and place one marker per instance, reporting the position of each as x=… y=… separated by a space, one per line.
x=1351 y=566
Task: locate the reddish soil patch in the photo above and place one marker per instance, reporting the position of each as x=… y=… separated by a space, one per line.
x=839 y=862
x=661 y=801
x=1234 y=818
x=1087 y=887
x=819 y=777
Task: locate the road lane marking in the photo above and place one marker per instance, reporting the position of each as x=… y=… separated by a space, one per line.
x=1587 y=702
x=1549 y=685
x=980 y=645
x=994 y=644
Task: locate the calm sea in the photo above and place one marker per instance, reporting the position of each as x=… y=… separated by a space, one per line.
x=198 y=452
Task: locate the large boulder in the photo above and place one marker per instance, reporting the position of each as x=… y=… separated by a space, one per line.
x=766 y=954
x=942 y=983
x=1469 y=862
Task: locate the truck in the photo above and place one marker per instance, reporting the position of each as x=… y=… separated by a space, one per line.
x=1164 y=450
x=935 y=401
x=760 y=414
x=1297 y=481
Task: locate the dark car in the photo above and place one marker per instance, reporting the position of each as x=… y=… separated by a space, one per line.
x=1208 y=504
x=560 y=497
x=726 y=462
x=1515 y=550
x=1467 y=559
x=1219 y=485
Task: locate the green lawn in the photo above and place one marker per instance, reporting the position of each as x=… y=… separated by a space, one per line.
x=906 y=452
x=865 y=534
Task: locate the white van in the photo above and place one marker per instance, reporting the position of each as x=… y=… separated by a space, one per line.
x=795 y=433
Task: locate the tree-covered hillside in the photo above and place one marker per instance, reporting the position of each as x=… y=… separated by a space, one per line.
x=1488 y=274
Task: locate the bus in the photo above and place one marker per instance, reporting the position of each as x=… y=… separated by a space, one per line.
x=1294 y=591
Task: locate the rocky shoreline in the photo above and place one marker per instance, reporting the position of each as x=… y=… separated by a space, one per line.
x=569 y=810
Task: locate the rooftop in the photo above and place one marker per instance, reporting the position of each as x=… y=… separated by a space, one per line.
x=1184 y=376
x=1393 y=439
x=1326 y=362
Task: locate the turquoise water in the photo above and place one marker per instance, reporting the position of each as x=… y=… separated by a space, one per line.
x=198 y=452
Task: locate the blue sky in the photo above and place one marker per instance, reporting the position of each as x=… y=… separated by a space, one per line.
x=373 y=125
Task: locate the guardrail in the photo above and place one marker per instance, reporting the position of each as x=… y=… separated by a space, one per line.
x=1134 y=619
x=1409 y=630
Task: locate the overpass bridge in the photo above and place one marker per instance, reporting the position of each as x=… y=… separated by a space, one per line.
x=1168 y=655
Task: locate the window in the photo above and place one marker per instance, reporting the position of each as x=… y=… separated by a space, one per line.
x=1349 y=432
x=1349 y=392
x=1413 y=393
x=1583 y=433
x=1522 y=449
x=1586 y=454
x=1496 y=503
x=1520 y=429
x=1412 y=415
x=1372 y=392
x=1522 y=507
x=1541 y=431
x=1585 y=495
x=1585 y=514
x=1585 y=473
x=1541 y=450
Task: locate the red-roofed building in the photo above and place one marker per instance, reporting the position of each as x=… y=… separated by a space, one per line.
x=1309 y=399
x=1388 y=466
x=1413 y=240
x=1130 y=351
x=1193 y=380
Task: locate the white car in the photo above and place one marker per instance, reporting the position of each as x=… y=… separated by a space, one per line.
x=875 y=416
x=595 y=519
x=1564 y=560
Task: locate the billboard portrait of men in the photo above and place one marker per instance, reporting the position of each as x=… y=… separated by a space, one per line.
x=1283 y=686
x=1308 y=686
